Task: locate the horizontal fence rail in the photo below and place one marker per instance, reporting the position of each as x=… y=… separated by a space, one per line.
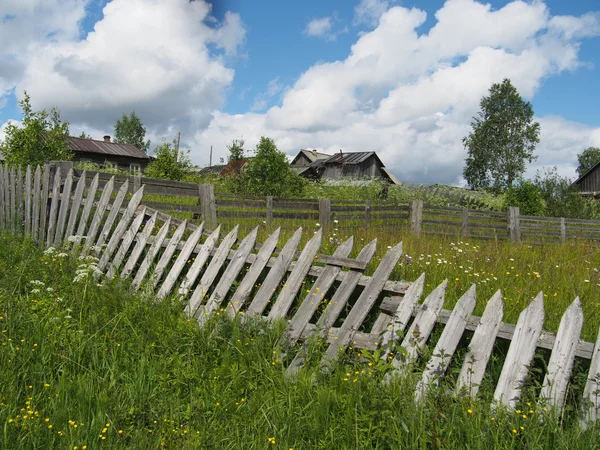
x=325 y=297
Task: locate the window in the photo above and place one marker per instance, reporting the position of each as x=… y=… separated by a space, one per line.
x=135 y=169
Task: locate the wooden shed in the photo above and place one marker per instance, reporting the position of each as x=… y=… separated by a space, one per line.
x=107 y=153
x=589 y=182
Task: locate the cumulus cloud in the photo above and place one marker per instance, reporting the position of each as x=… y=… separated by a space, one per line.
x=368 y=12
x=318 y=27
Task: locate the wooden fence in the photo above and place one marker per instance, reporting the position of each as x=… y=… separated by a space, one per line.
x=322 y=296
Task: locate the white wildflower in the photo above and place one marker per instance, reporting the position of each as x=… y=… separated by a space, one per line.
x=35 y=291
x=50 y=251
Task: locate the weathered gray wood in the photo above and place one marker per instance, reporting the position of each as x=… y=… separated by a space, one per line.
x=324 y=213
x=77 y=198
x=419 y=331
x=554 y=388
x=2 y=213
x=65 y=201
x=514 y=228
x=229 y=276
x=140 y=245
x=87 y=207
x=480 y=348
x=591 y=393
x=124 y=247
x=211 y=273
x=115 y=239
x=13 y=199
x=7 y=197
x=245 y=287
x=363 y=305
x=269 y=218
x=180 y=262
x=316 y=295
x=563 y=230
x=166 y=257
x=294 y=282
x=367 y=213
x=28 y=201
x=446 y=345
x=206 y=194
x=275 y=275
x=19 y=198
x=520 y=353
x=415 y=216
x=149 y=259
x=53 y=207
x=464 y=229
x=44 y=203
x=381 y=324
x=110 y=220
x=99 y=214
x=401 y=316
x=202 y=256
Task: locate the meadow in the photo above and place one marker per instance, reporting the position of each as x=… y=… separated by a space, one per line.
x=90 y=365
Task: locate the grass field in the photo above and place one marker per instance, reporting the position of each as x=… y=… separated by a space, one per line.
x=92 y=366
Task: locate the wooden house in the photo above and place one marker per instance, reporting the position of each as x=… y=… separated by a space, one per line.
x=306 y=157
x=109 y=154
x=589 y=182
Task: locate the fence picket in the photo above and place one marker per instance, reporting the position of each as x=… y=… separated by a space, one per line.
x=294 y=282
x=76 y=206
x=125 y=244
x=198 y=264
x=99 y=214
x=561 y=361
x=152 y=252
x=245 y=287
x=28 y=201
x=446 y=345
x=275 y=275
x=591 y=393
x=87 y=207
x=110 y=220
x=65 y=201
x=193 y=307
x=2 y=196
x=167 y=255
x=139 y=247
x=520 y=353
x=19 y=198
x=13 y=199
x=44 y=203
x=480 y=348
x=180 y=262
x=53 y=207
x=35 y=213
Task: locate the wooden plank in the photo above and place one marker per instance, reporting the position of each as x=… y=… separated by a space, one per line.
x=139 y=247
x=87 y=207
x=19 y=198
x=115 y=239
x=124 y=247
x=53 y=208
x=591 y=393
x=229 y=276
x=294 y=282
x=446 y=345
x=520 y=353
x=211 y=273
x=333 y=309
x=44 y=202
x=65 y=201
x=275 y=275
x=402 y=314
x=202 y=255
x=245 y=287
x=480 y=348
x=150 y=255
x=554 y=388
x=315 y=296
x=77 y=198
x=2 y=220
x=180 y=263
x=363 y=305
x=28 y=201
x=99 y=214
x=13 y=198
x=167 y=256
x=110 y=220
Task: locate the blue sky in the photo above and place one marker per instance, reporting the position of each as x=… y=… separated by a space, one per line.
x=402 y=78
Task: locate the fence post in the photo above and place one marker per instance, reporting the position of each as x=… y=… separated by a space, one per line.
x=269 y=211
x=324 y=213
x=208 y=205
x=367 y=213
x=415 y=216
x=514 y=226
x=563 y=230
x=464 y=230
x=137 y=183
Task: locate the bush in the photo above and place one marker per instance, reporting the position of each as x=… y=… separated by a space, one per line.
x=527 y=197
x=169 y=163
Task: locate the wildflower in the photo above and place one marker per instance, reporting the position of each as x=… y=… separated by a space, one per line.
x=470 y=411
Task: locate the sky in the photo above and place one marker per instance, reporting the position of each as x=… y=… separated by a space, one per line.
x=400 y=77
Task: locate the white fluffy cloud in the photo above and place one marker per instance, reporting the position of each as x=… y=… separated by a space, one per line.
x=318 y=27
x=410 y=96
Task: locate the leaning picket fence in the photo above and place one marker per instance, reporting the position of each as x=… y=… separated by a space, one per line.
x=200 y=267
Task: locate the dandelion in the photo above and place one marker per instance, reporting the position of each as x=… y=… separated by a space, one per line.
x=470 y=411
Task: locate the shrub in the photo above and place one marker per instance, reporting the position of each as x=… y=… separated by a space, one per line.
x=527 y=197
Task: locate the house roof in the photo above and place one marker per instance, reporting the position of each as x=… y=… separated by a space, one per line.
x=351 y=158
x=233 y=167
x=210 y=170
x=312 y=155
x=106 y=148
x=578 y=180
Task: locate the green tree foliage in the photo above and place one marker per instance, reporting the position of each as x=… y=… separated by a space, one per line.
x=236 y=150
x=42 y=137
x=527 y=196
x=130 y=130
x=587 y=159
x=268 y=173
x=502 y=139
x=169 y=163
x=84 y=135
x=562 y=199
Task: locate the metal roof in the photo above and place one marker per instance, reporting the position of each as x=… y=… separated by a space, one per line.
x=106 y=148
x=351 y=158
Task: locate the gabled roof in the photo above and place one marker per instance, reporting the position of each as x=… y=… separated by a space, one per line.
x=578 y=180
x=351 y=158
x=312 y=155
x=106 y=148
x=233 y=167
x=210 y=170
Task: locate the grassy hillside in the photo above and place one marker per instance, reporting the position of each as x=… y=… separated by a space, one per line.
x=86 y=365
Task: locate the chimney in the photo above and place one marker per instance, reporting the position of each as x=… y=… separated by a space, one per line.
x=106 y=138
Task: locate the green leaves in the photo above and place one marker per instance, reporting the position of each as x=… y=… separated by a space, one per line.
x=130 y=130
x=169 y=163
x=502 y=139
x=587 y=159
